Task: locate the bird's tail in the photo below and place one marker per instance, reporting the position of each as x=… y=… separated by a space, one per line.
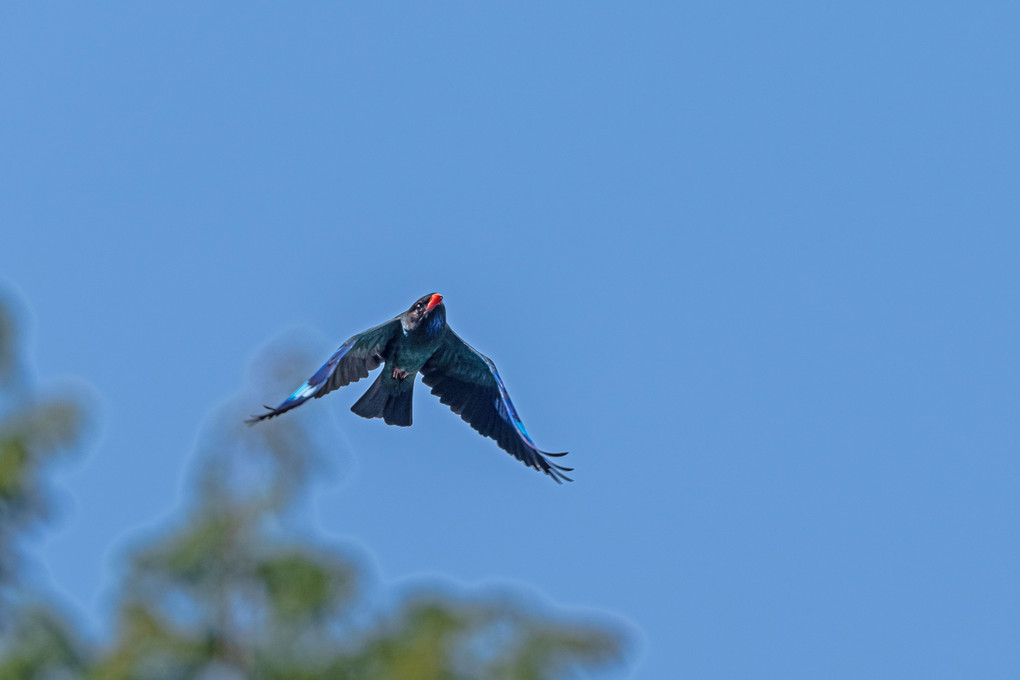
x=383 y=401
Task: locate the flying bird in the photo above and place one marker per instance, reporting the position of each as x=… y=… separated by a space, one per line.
x=419 y=341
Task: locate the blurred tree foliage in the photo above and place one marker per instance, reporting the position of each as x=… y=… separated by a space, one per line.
x=35 y=638
x=235 y=588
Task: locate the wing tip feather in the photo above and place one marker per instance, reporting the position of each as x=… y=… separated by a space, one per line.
x=262 y=416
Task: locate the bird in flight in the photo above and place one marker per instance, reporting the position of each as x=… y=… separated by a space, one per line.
x=419 y=341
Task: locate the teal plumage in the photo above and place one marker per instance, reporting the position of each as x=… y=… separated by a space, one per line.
x=419 y=340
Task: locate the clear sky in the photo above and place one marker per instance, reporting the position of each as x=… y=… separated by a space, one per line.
x=755 y=265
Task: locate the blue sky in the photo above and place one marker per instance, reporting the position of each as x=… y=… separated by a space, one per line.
x=754 y=265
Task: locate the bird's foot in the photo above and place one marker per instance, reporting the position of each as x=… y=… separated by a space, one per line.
x=398 y=374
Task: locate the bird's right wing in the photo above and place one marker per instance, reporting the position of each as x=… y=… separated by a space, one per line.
x=352 y=362
x=467 y=381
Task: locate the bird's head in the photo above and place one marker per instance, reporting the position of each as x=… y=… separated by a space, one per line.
x=426 y=307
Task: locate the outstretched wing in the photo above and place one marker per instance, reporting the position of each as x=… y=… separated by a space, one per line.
x=352 y=362
x=468 y=382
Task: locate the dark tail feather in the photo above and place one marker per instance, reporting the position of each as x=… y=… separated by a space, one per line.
x=380 y=402
x=398 y=408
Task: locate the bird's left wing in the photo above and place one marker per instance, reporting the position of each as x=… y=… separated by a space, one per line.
x=352 y=362
x=467 y=381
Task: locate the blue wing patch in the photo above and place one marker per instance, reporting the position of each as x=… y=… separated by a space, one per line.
x=310 y=387
x=505 y=407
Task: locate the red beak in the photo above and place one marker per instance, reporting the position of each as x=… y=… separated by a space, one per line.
x=434 y=301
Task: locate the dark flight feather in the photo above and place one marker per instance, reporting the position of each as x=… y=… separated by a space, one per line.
x=467 y=381
x=352 y=362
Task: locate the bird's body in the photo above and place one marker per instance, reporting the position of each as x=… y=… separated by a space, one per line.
x=419 y=341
